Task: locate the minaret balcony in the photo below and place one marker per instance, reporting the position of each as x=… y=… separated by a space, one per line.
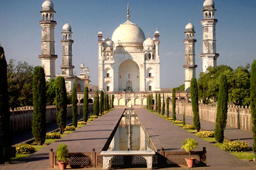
x=189 y=66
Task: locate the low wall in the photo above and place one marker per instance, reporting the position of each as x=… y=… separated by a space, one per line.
x=21 y=118
x=237 y=117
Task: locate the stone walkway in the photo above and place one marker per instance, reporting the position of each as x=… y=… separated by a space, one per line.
x=169 y=136
x=162 y=133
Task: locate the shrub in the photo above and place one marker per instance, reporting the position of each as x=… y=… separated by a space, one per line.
x=177 y=121
x=52 y=135
x=82 y=123
x=205 y=134
x=170 y=118
x=70 y=128
x=62 y=152
x=235 y=146
x=187 y=126
x=24 y=148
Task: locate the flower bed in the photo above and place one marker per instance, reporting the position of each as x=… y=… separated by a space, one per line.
x=52 y=135
x=205 y=134
x=24 y=148
x=235 y=146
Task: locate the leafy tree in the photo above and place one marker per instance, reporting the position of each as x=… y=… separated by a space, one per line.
x=101 y=108
x=180 y=88
x=159 y=103
x=113 y=97
x=194 y=99
x=96 y=104
x=74 y=105
x=208 y=83
x=5 y=133
x=221 y=118
x=61 y=103
x=240 y=91
x=253 y=102
x=85 y=107
x=167 y=106
x=39 y=105
x=50 y=91
x=173 y=104
x=163 y=106
x=20 y=78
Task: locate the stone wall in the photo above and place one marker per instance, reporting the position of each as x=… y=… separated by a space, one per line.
x=238 y=117
x=21 y=118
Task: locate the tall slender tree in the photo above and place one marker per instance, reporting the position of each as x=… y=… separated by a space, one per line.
x=167 y=106
x=61 y=103
x=74 y=105
x=156 y=103
x=101 y=109
x=85 y=106
x=5 y=133
x=195 y=109
x=222 y=108
x=39 y=105
x=173 y=104
x=96 y=104
x=113 y=98
x=159 y=103
x=253 y=102
x=163 y=106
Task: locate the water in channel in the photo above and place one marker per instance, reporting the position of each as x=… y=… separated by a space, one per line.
x=130 y=134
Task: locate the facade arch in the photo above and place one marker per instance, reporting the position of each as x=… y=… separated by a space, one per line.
x=150 y=72
x=149 y=85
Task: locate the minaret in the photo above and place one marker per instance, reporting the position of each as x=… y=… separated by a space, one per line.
x=190 y=67
x=48 y=56
x=100 y=61
x=209 y=55
x=67 y=67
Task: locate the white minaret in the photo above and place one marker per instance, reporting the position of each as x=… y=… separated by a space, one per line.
x=209 y=55
x=190 y=67
x=48 y=56
x=100 y=61
x=67 y=67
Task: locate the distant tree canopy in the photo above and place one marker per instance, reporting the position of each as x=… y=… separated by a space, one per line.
x=180 y=88
x=238 y=82
x=19 y=78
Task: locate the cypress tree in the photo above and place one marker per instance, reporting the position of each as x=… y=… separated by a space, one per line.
x=101 y=109
x=147 y=102
x=163 y=106
x=167 y=107
x=222 y=108
x=5 y=133
x=184 y=121
x=85 y=106
x=156 y=103
x=113 y=97
x=159 y=103
x=194 y=99
x=253 y=102
x=39 y=105
x=173 y=104
x=107 y=102
x=96 y=104
x=61 y=103
x=74 y=105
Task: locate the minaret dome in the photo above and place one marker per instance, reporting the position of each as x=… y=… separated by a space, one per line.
x=47 y=5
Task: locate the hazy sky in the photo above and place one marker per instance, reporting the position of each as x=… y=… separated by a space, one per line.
x=20 y=32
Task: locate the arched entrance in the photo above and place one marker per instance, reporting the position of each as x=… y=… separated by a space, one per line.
x=129 y=76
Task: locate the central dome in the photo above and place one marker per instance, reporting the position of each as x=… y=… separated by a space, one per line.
x=128 y=32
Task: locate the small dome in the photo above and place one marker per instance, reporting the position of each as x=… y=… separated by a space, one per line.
x=108 y=42
x=128 y=32
x=82 y=65
x=99 y=32
x=47 y=5
x=208 y=3
x=66 y=27
x=148 y=42
x=189 y=26
x=156 y=32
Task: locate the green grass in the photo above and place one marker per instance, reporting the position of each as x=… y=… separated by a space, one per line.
x=38 y=147
x=191 y=130
x=219 y=145
x=243 y=155
x=19 y=157
x=180 y=125
x=209 y=139
x=50 y=140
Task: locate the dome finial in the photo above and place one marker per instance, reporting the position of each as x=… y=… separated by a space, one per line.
x=148 y=35
x=128 y=13
x=67 y=20
x=108 y=35
x=189 y=20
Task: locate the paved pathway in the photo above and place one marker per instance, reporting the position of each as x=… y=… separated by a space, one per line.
x=162 y=132
x=169 y=136
x=230 y=133
x=93 y=135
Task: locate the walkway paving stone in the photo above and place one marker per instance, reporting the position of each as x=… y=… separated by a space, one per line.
x=169 y=136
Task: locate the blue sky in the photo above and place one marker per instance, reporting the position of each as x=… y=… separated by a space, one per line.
x=20 y=32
